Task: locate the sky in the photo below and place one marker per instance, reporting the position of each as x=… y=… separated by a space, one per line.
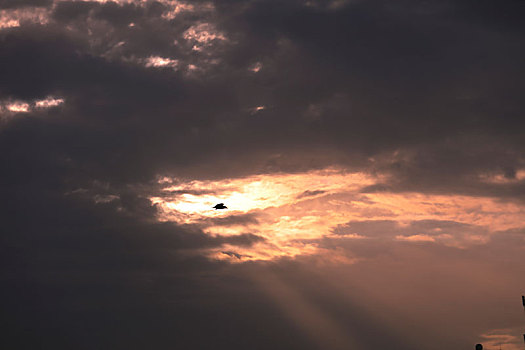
x=371 y=155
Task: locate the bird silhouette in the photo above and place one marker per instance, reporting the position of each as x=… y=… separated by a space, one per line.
x=220 y=206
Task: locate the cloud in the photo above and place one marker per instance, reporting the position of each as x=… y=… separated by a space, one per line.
x=233 y=255
x=158 y=62
x=309 y=193
x=232 y=220
x=451 y=233
x=101 y=99
x=16 y=108
x=24 y=3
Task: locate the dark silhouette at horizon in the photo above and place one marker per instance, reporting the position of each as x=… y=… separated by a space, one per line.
x=220 y=206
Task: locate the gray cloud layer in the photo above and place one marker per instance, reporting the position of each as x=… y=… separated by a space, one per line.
x=425 y=92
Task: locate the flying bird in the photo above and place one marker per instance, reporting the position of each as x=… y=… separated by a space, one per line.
x=220 y=206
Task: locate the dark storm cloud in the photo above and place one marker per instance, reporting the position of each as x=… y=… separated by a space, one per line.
x=23 y=3
x=379 y=77
x=426 y=92
x=371 y=79
x=107 y=274
x=70 y=11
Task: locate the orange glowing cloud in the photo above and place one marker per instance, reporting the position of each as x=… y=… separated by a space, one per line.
x=18 y=107
x=294 y=211
x=203 y=35
x=500 y=338
x=49 y=102
x=10 y=108
x=10 y=18
x=159 y=62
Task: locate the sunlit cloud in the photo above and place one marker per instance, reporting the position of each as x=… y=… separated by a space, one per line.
x=481 y=211
x=200 y=34
x=517 y=176
x=7 y=22
x=502 y=338
x=203 y=35
x=256 y=67
x=10 y=18
x=49 y=102
x=373 y=194
x=256 y=109
x=104 y=198
x=120 y=2
x=18 y=107
x=295 y=210
x=17 y=17
x=260 y=192
x=175 y=8
x=160 y=62
x=154 y=61
x=416 y=238
x=11 y=108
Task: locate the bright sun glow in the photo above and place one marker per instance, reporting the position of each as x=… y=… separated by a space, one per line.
x=291 y=212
